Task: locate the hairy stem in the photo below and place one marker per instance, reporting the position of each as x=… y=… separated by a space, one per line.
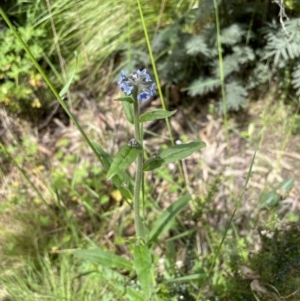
x=138 y=175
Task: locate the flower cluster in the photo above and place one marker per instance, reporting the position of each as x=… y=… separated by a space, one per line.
x=139 y=80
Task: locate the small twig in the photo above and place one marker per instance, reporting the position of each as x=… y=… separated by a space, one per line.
x=50 y=116
x=282 y=15
x=292 y=294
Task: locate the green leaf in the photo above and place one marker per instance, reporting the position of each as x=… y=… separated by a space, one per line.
x=128 y=110
x=119 y=281
x=65 y=89
x=173 y=153
x=153 y=163
x=125 y=191
x=123 y=159
x=166 y=219
x=143 y=267
x=272 y=198
x=285 y=187
x=121 y=180
x=269 y=200
x=156 y=114
x=180 y=151
x=133 y=294
x=126 y=98
x=104 y=258
x=236 y=96
x=106 y=158
x=187 y=278
x=203 y=86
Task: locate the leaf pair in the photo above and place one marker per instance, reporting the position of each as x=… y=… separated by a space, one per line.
x=128 y=154
x=148 y=116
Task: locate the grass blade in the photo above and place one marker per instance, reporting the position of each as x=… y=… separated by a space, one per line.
x=165 y=220
x=67 y=85
x=104 y=258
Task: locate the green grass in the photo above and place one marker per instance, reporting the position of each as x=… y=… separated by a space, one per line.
x=98 y=32
x=56 y=279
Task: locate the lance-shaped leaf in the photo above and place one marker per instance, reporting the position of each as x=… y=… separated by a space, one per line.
x=104 y=258
x=128 y=110
x=121 y=180
x=124 y=158
x=68 y=84
x=106 y=158
x=285 y=187
x=111 y=265
x=153 y=163
x=125 y=190
x=269 y=200
x=126 y=98
x=156 y=114
x=143 y=267
x=166 y=219
x=180 y=151
x=272 y=198
x=188 y=278
x=173 y=153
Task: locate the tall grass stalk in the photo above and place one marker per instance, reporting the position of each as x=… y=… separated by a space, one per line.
x=162 y=100
x=222 y=79
x=58 y=50
x=222 y=76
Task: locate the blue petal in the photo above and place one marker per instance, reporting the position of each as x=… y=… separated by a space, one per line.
x=125 y=88
x=144 y=75
x=122 y=74
x=145 y=95
x=152 y=89
x=141 y=72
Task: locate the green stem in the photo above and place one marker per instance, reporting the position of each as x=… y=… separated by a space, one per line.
x=138 y=175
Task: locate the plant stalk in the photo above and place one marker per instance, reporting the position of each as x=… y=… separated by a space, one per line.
x=139 y=173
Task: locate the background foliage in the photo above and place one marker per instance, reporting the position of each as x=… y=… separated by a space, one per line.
x=256 y=49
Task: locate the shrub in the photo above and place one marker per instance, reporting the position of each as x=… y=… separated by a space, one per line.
x=255 y=48
x=19 y=79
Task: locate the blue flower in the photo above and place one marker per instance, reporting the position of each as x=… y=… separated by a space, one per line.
x=122 y=75
x=139 y=80
x=152 y=89
x=145 y=95
x=143 y=74
x=125 y=88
